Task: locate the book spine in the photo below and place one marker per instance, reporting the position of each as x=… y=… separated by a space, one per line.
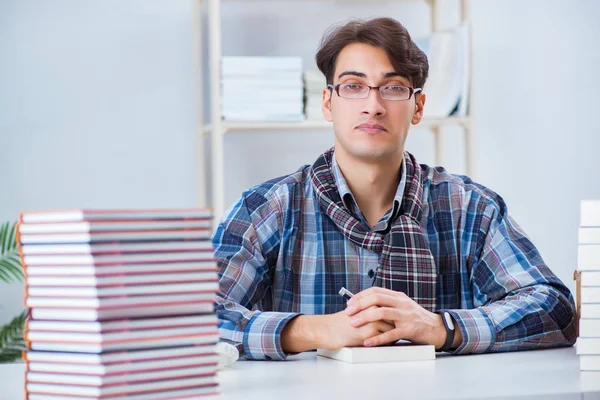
x=577 y=279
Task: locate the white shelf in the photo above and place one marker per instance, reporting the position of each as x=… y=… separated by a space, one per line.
x=242 y=126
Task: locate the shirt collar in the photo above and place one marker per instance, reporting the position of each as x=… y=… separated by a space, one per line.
x=350 y=202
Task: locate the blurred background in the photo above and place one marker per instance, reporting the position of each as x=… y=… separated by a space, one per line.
x=101 y=105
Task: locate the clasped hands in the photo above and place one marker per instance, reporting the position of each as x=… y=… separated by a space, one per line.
x=378 y=316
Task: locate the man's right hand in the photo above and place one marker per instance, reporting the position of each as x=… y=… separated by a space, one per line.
x=331 y=332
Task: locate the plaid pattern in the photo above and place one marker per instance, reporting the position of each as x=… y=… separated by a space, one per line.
x=280 y=255
x=406 y=263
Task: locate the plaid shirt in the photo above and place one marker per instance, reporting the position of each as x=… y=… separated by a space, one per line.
x=272 y=243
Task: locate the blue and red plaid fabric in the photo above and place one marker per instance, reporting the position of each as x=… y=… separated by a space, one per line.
x=280 y=255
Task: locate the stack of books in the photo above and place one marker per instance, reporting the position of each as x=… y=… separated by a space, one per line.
x=121 y=304
x=588 y=286
x=314 y=83
x=262 y=89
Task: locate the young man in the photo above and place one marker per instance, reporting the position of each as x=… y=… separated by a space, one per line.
x=424 y=250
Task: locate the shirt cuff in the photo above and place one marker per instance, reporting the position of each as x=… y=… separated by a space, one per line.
x=262 y=336
x=478 y=332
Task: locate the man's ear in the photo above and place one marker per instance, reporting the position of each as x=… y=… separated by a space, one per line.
x=420 y=100
x=326 y=105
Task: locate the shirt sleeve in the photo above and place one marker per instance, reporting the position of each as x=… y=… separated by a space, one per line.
x=522 y=304
x=246 y=245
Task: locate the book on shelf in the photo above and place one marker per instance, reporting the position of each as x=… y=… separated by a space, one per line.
x=401 y=351
x=447 y=87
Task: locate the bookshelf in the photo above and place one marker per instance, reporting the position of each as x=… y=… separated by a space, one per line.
x=218 y=127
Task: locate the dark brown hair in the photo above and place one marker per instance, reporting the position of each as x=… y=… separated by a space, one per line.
x=387 y=33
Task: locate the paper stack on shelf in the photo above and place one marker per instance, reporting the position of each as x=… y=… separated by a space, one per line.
x=121 y=304
x=314 y=83
x=262 y=89
x=588 y=267
x=447 y=87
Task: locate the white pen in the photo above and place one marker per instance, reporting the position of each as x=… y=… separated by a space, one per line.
x=345 y=293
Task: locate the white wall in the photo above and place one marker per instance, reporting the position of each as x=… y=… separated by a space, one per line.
x=96 y=108
x=96 y=105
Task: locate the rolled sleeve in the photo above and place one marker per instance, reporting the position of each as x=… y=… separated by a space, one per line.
x=262 y=336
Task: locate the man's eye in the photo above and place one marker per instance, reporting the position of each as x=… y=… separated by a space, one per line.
x=352 y=87
x=396 y=89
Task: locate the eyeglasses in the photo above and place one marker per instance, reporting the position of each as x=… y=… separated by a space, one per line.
x=390 y=92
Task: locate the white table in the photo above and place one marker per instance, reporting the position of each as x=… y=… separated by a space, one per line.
x=540 y=374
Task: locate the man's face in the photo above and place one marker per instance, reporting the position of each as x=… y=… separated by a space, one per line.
x=371 y=129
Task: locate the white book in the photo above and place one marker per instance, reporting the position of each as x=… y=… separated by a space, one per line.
x=397 y=352
x=445 y=83
x=590 y=294
x=590 y=278
x=589 y=327
x=259 y=83
x=116 y=280
x=120 y=357
x=114 y=302
x=589 y=235
x=117 y=248
x=118 y=259
x=78 y=215
x=590 y=213
x=112 y=226
x=589 y=362
x=588 y=345
x=245 y=94
x=126 y=335
x=261 y=63
x=94 y=314
x=48 y=275
x=119 y=379
x=260 y=117
x=590 y=311
x=102 y=347
x=118 y=325
x=190 y=393
x=110 y=369
x=98 y=237
x=123 y=390
x=588 y=257
x=131 y=290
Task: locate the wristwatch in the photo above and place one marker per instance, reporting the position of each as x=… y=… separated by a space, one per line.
x=449 y=325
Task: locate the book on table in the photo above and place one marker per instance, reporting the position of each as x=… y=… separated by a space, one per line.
x=400 y=351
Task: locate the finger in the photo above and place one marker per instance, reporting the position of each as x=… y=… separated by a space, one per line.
x=369 y=291
x=384 y=338
x=374 y=314
x=393 y=300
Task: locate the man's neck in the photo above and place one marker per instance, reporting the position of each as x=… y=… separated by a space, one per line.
x=373 y=185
